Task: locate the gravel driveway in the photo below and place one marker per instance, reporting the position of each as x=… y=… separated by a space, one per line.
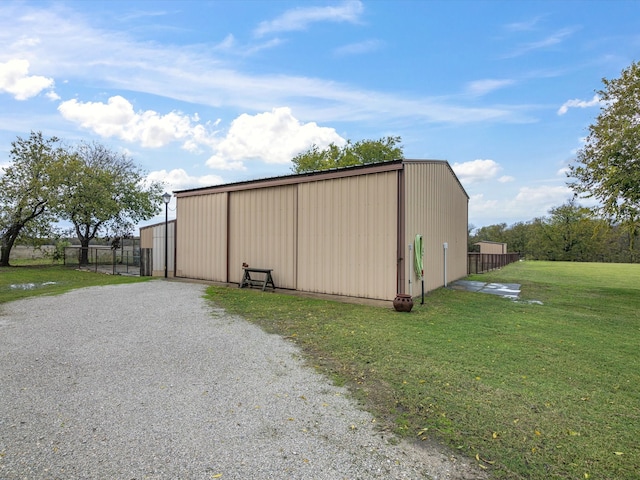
x=150 y=381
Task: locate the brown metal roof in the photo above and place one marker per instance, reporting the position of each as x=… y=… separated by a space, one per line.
x=308 y=177
x=293 y=179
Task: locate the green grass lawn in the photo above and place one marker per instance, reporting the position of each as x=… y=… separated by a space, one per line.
x=528 y=390
x=33 y=277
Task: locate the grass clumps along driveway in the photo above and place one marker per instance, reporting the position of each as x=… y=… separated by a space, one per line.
x=530 y=391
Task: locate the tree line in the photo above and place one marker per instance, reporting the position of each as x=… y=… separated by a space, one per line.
x=606 y=169
x=569 y=232
x=98 y=191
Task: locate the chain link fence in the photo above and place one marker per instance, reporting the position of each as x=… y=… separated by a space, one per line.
x=104 y=259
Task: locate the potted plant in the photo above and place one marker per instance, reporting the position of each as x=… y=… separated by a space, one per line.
x=403 y=302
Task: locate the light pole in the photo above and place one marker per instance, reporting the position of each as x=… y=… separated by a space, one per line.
x=166 y=198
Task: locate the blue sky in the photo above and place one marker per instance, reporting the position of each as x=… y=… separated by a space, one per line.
x=207 y=92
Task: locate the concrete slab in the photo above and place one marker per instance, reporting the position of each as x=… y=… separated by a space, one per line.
x=468 y=285
x=507 y=290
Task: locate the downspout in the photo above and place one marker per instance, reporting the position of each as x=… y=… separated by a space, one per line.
x=228 y=194
x=409 y=274
x=401 y=270
x=445 y=247
x=296 y=234
x=175 y=242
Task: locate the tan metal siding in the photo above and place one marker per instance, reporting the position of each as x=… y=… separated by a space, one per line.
x=158 y=249
x=347 y=231
x=146 y=237
x=436 y=208
x=201 y=240
x=492 y=247
x=262 y=233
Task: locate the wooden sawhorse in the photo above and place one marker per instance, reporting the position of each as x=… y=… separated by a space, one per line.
x=247 y=281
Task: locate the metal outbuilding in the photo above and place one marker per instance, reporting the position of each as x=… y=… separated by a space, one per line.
x=493 y=248
x=153 y=237
x=343 y=232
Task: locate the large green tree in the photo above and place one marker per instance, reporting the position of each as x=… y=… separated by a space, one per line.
x=105 y=194
x=29 y=188
x=572 y=233
x=607 y=168
x=359 y=153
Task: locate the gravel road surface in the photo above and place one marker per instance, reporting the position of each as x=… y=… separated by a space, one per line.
x=149 y=381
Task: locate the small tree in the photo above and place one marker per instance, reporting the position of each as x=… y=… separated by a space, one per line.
x=105 y=193
x=29 y=190
x=360 y=153
x=607 y=168
x=59 y=247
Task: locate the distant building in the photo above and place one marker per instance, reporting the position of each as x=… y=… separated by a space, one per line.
x=152 y=236
x=492 y=247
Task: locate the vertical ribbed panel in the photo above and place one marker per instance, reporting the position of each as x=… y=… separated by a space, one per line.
x=201 y=247
x=146 y=237
x=437 y=209
x=347 y=230
x=158 y=248
x=262 y=232
x=492 y=248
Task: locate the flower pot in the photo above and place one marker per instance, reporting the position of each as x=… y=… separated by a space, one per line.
x=403 y=302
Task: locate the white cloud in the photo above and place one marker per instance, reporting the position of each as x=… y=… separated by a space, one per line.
x=28 y=42
x=253 y=49
x=478 y=205
x=179 y=179
x=300 y=18
x=70 y=47
x=358 y=48
x=15 y=79
x=3 y=166
x=117 y=118
x=228 y=42
x=476 y=170
x=541 y=198
x=482 y=87
x=577 y=103
x=506 y=179
x=549 y=41
x=524 y=26
x=527 y=204
x=51 y=95
x=530 y=203
x=273 y=137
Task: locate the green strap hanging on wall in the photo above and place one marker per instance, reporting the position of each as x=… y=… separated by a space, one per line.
x=418 y=251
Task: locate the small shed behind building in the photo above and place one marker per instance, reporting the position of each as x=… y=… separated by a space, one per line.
x=492 y=247
x=153 y=237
